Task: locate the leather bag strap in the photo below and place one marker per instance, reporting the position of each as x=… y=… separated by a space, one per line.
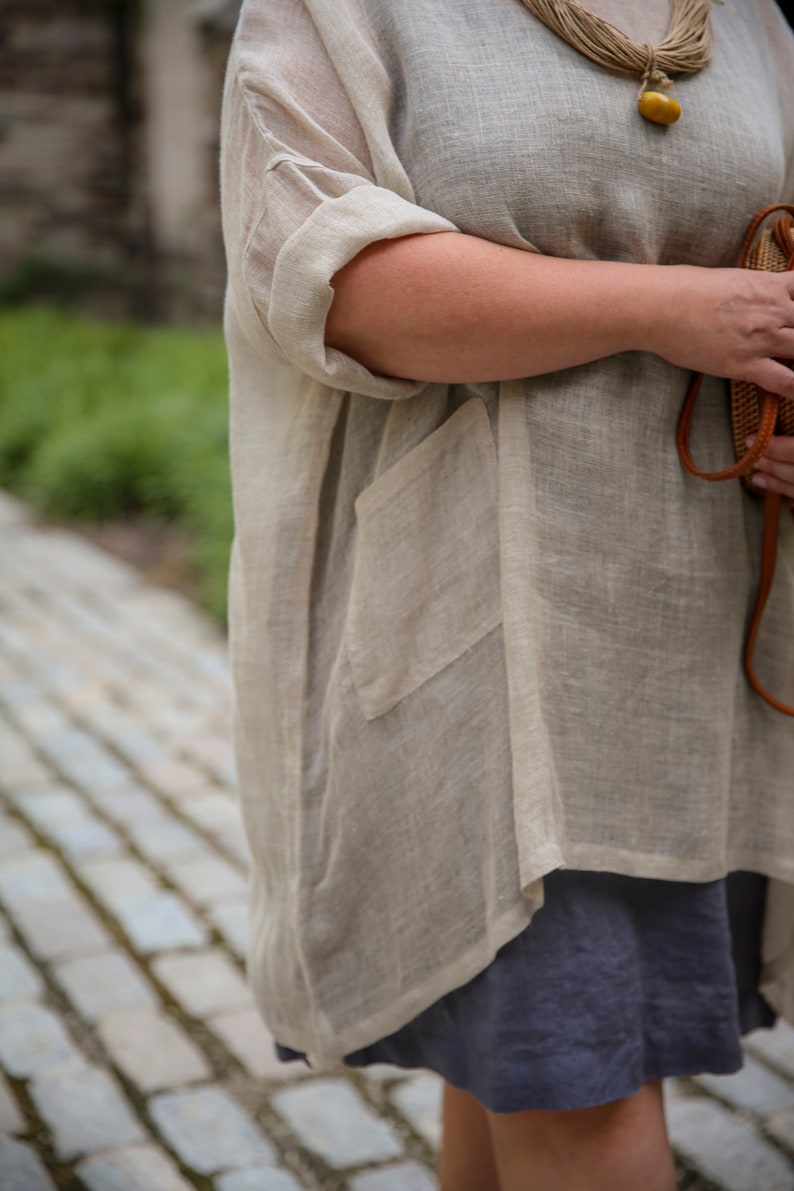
x=768 y=561
x=769 y=405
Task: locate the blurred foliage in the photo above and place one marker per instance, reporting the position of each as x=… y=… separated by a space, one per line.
x=99 y=420
x=58 y=283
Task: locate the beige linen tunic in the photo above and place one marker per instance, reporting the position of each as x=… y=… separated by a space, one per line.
x=479 y=632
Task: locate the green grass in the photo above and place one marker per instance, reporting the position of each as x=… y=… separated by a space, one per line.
x=100 y=420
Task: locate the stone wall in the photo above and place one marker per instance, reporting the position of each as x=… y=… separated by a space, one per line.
x=109 y=144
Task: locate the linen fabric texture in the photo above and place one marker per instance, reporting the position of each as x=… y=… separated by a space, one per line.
x=482 y=632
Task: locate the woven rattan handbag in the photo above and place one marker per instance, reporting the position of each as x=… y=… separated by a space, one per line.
x=769 y=244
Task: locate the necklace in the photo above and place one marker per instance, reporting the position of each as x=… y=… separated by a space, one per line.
x=688 y=46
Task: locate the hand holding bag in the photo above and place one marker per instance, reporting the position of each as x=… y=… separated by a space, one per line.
x=753 y=412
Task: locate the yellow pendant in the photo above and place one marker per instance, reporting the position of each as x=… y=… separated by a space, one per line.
x=658 y=107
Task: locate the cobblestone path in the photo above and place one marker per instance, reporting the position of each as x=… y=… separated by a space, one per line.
x=132 y=1058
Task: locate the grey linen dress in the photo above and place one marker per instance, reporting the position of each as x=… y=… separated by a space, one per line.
x=481 y=633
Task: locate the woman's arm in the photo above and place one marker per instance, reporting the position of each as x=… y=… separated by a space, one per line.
x=454 y=308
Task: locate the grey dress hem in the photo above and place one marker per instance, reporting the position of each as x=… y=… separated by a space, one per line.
x=616 y=981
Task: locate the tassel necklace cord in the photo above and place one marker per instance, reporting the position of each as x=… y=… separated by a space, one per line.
x=687 y=47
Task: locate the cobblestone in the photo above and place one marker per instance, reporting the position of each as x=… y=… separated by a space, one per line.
x=232 y=920
x=21 y=1169
x=332 y=1121
x=209 y=1131
x=208 y=880
x=14 y=838
x=31 y=878
x=118 y=881
x=774 y=1046
x=61 y=929
x=159 y=923
x=123 y=877
x=136 y=1168
x=101 y=984
x=86 y=1112
x=262 y=1178
x=419 y=1099
x=19 y=980
x=247 y=1038
x=408 y=1176
x=11 y=1118
x=33 y=1040
x=163 y=838
x=203 y=983
x=755 y=1089
x=726 y=1149
x=151 y=1050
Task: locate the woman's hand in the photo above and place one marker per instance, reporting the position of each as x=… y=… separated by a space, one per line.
x=736 y=323
x=775 y=468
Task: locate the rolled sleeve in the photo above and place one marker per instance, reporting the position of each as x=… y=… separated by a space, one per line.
x=301 y=197
x=300 y=292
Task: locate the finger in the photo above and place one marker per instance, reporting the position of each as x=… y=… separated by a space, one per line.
x=775 y=378
x=784 y=472
x=780 y=447
x=772 y=484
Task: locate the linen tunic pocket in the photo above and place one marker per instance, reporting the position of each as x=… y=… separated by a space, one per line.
x=426 y=575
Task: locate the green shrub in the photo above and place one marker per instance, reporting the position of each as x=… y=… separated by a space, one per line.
x=99 y=420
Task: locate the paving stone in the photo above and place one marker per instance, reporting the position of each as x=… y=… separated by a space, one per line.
x=119 y=880
x=164 y=838
x=86 y=1112
x=135 y=1168
x=754 y=1089
x=151 y=1050
x=212 y=751
x=674 y=1089
x=64 y=819
x=33 y=1040
x=408 y=1176
x=21 y=766
x=19 y=694
x=101 y=984
x=246 y=1036
x=126 y=734
x=419 y=1099
x=261 y=1178
x=781 y=1127
x=204 y=982
x=171 y=778
x=129 y=806
x=381 y=1073
x=724 y=1148
x=213 y=813
x=61 y=929
x=50 y=806
x=160 y=923
x=331 y=1120
x=774 y=1046
x=40 y=719
x=233 y=921
x=21 y=1169
x=14 y=838
x=209 y=1131
x=95 y=773
x=11 y=1118
x=30 y=878
x=208 y=879
x=19 y=980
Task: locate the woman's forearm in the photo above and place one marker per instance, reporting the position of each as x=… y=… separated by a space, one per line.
x=454 y=308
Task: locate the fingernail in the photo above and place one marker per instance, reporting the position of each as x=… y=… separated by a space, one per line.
x=758 y=480
x=748 y=442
